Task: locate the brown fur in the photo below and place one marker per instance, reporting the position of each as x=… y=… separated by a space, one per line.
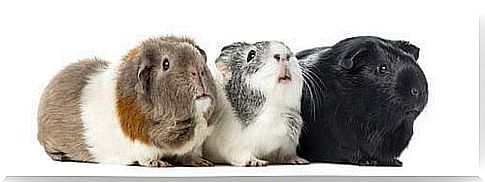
x=162 y=113
x=132 y=119
x=155 y=107
x=132 y=53
x=59 y=117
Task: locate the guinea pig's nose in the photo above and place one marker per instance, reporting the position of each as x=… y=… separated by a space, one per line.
x=193 y=73
x=278 y=57
x=414 y=92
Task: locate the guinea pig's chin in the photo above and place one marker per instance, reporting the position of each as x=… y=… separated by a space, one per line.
x=202 y=104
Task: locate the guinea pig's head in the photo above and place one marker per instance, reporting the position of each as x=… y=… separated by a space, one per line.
x=171 y=80
x=383 y=78
x=267 y=66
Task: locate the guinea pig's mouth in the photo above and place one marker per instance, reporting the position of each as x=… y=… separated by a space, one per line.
x=201 y=96
x=412 y=113
x=284 y=79
x=284 y=75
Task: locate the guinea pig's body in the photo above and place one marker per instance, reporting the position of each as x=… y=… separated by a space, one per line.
x=365 y=94
x=258 y=115
x=145 y=108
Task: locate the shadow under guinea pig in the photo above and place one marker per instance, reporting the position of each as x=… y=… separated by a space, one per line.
x=360 y=100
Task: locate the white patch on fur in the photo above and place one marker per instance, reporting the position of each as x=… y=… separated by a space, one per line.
x=266 y=79
x=231 y=142
x=202 y=105
x=103 y=133
x=312 y=59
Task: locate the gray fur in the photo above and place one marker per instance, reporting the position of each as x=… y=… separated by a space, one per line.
x=247 y=102
x=166 y=97
x=154 y=105
x=59 y=115
x=248 y=97
x=295 y=123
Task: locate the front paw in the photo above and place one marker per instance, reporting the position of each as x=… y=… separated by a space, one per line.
x=384 y=163
x=394 y=163
x=197 y=162
x=254 y=162
x=156 y=163
x=297 y=161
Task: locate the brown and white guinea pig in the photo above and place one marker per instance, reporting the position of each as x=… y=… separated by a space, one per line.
x=153 y=104
x=258 y=114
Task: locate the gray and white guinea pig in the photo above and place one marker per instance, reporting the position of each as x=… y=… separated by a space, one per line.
x=258 y=114
x=152 y=105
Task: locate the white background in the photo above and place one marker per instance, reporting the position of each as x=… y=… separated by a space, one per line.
x=39 y=38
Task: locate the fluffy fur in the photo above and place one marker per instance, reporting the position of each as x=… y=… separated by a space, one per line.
x=362 y=98
x=136 y=111
x=257 y=119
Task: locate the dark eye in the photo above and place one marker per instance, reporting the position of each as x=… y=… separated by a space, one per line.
x=382 y=68
x=251 y=55
x=165 y=64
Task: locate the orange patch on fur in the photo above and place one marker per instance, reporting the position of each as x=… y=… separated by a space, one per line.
x=132 y=119
x=132 y=53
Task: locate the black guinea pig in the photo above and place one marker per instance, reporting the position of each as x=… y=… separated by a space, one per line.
x=360 y=100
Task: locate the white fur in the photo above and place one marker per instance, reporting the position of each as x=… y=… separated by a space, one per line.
x=103 y=133
x=312 y=59
x=234 y=144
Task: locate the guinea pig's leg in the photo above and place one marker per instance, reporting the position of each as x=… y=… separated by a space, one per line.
x=154 y=163
x=290 y=159
x=390 y=162
x=297 y=160
x=194 y=158
x=59 y=156
x=250 y=161
x=239 y=155
x=196 y=161
x=288 y=156
x=255 y=162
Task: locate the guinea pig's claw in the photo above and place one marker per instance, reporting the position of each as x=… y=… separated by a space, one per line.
x=298 y=161
x=198 y=162
x=387 y=163
x=395 y=162
x=256 y=163
x=158 y=163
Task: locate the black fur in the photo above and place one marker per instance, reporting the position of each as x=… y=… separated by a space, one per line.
x=363 y=115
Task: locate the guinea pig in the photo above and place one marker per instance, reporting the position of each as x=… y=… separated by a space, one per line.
x=153 y=104
x=258 y=116
x=363 y=97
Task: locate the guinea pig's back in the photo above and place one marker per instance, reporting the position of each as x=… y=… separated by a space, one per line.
x=60 y=129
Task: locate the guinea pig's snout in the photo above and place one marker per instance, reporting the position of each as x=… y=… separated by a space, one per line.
x=200 y=89
x=284 y=75
x=412 y=86
x=281 y=58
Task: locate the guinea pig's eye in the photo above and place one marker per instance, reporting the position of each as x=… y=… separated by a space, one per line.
x=165 y=64
x=382 y=68
x=251 y=55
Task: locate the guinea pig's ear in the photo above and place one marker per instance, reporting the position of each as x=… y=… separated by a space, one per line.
x=409 y=48
x=145 y=68
x=201 y=51
x=349 y=60
x=222 y=64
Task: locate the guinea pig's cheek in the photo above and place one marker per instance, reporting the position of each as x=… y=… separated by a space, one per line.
x=295 y=70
